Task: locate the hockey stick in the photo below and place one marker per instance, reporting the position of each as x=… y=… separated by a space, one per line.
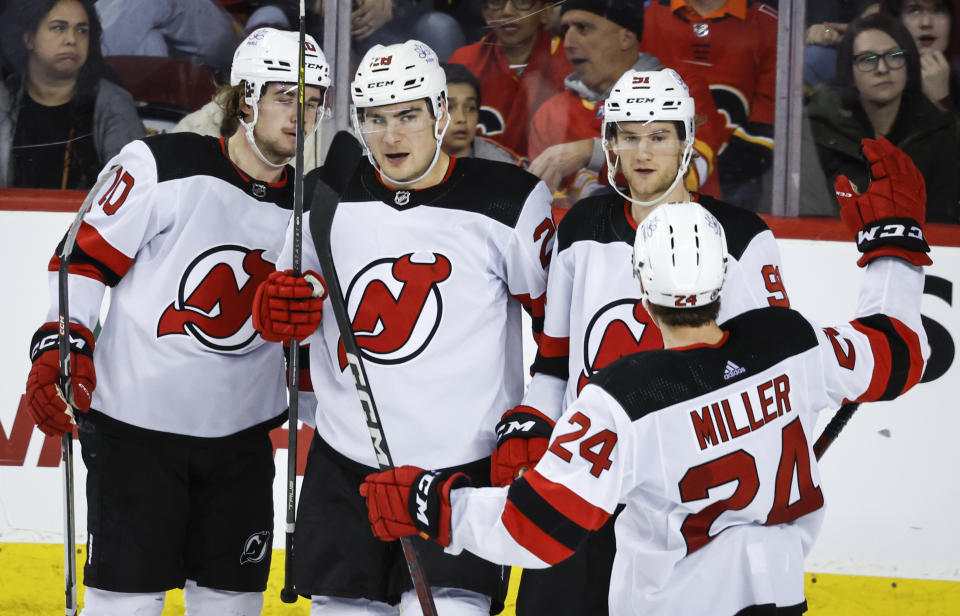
x=830 y=433
x=323 y=206
x=65 y=386
x=288 y=594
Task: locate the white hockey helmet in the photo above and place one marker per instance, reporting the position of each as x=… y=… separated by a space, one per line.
x=397 y=74
x=269 y=55
x=400 y=73
x=649 y=96
x=680 y=256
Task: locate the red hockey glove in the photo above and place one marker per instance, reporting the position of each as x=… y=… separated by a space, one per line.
x=523 y=435
x=44 y=400
x=287 y=306
x=411 y=501
x=888 y=218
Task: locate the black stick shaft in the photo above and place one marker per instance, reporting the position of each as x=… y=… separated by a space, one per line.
x=832 y=431
x=322 y=209
x=66 y=390
x=289 y=593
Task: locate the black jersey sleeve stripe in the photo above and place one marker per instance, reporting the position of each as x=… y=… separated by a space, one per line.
x=554 y=366
x=896 y=359
x=544 y=516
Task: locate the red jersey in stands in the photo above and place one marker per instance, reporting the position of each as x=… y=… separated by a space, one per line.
x=511 y=95
x=733 y=49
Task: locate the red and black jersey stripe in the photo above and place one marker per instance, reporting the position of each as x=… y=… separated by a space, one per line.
x=93 y=257
x=547 y=518
x=553 y=357
x=898 y=361
x=534 y=306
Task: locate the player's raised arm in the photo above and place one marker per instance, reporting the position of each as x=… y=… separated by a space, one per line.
x=881 y=354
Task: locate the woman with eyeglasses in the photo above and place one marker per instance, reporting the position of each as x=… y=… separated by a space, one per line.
x=878 y=92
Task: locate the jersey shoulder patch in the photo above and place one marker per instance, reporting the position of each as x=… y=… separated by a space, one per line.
x=180 y=155
x=739 y=225
x=648 y=381
x=601 y=218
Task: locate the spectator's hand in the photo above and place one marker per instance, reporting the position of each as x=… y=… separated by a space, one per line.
x=827 y=34
x=369 y=16
x=559 y=161
x=936 y=75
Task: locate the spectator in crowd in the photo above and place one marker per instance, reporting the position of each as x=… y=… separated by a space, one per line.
x=732 y=45
x=60 y=120
x=826 y=23
x=200 y=31
x=878 y=93
x=601 y=42
x=930 y=22
x=519 y=65
x=463 y=103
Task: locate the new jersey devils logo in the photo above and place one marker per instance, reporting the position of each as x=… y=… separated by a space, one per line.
x=215 y=298
x=397 y=307
x=620 y=328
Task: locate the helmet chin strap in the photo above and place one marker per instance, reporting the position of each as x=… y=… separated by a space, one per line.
x=437 y=134
x=682 y=171
x=248 y=131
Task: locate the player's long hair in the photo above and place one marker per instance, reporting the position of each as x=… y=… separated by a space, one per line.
x=229 y=99
x=23 y=17
x=899 y=33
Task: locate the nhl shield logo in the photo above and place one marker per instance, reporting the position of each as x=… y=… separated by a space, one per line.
x=259 y=189
x=402 y=197
x=701 y=29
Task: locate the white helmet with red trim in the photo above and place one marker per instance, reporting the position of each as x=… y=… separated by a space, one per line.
x=680 y=256
x=649 y=96
x=400 y=73
x=269 y=55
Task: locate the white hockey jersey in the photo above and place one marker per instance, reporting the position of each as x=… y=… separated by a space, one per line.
x=434 y=282
x=183 y=237
x=710 y=449
x=593 y=311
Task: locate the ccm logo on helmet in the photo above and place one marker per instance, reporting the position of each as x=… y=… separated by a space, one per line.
x=380 y=84
x=640 y=101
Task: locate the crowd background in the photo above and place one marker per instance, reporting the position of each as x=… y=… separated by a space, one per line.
x=82 y=78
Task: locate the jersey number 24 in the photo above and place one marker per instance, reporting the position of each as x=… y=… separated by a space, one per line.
x=741 y=467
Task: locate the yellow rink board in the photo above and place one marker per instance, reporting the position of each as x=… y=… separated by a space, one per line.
x=31 y=582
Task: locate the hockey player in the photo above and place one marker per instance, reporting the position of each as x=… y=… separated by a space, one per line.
x=707 y=443
x=594 y=314
x=174 y=421
x=437 y=256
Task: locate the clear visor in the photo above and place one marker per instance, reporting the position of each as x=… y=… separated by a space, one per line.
x=406 y=121
x=633 y=136
x=283 y=96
